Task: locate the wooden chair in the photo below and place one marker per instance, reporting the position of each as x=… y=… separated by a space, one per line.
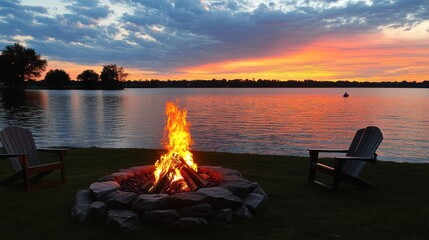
x=361 y=150
x=23 y=154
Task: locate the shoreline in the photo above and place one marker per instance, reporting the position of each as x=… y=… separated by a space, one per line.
x=216 y=152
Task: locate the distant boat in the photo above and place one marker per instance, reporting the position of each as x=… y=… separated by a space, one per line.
x=346 y=94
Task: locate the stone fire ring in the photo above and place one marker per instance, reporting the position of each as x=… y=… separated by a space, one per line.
x=105 y=201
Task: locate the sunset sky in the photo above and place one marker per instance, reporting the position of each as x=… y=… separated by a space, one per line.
x=362 y=40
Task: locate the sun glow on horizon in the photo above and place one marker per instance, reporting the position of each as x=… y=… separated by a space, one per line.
x=373 y=57
x=355 y=58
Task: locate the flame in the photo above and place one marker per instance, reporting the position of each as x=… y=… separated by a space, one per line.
x=177 y=140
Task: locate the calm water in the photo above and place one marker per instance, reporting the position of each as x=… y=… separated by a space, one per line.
x=265 y=121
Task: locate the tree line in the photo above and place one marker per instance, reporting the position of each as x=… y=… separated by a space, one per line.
x=263 y=83
x=20 y=65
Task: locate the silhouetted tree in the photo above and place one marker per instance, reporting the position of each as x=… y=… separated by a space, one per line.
x=122 y=75
x=18 y=63
x=89 y=79
x=109 y=73
x=110 y=77
x=57 y=78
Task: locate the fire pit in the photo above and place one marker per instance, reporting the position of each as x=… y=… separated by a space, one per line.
x=174 y=192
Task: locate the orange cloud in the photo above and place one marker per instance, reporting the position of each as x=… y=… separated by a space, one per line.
x=375 y=57
x=356 y=58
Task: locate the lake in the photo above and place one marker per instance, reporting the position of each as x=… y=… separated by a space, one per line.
x=285 y=121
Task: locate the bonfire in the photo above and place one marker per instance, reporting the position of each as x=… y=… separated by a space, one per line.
x=176 y=171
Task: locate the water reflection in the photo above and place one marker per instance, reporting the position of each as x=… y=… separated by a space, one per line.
x=266 y=121
x=22 y=107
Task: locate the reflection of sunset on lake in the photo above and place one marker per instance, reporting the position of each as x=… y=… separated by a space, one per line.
x=264 y=121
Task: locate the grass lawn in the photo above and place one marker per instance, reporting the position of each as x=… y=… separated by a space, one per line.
x=399 y=209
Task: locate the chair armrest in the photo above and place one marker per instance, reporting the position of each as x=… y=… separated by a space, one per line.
x=314 y=153
x=54 y=150
x=329 y=150
x=365 y=159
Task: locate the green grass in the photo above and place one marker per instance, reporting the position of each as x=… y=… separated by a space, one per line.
x=399 y=209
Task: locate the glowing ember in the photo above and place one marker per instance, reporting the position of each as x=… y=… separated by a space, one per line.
x=177 y=141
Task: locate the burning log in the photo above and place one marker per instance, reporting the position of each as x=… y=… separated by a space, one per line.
x=191 y=184
x=148 y=184
x=193 y=179
x=193 y=175
x=161 y=186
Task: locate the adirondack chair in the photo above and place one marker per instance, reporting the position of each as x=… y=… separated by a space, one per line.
x=347 y=168
x=23 y=154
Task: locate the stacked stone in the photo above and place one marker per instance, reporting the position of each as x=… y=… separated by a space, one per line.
x=105 y=201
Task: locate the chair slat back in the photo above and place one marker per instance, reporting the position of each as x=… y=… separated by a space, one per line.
x=19 y=140
x=364 y=144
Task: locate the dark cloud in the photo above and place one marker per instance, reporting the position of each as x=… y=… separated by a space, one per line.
x=164 y=35
x=88 y=9
x=10 y=4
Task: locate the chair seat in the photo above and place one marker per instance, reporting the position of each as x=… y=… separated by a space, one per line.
x=45 y=167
